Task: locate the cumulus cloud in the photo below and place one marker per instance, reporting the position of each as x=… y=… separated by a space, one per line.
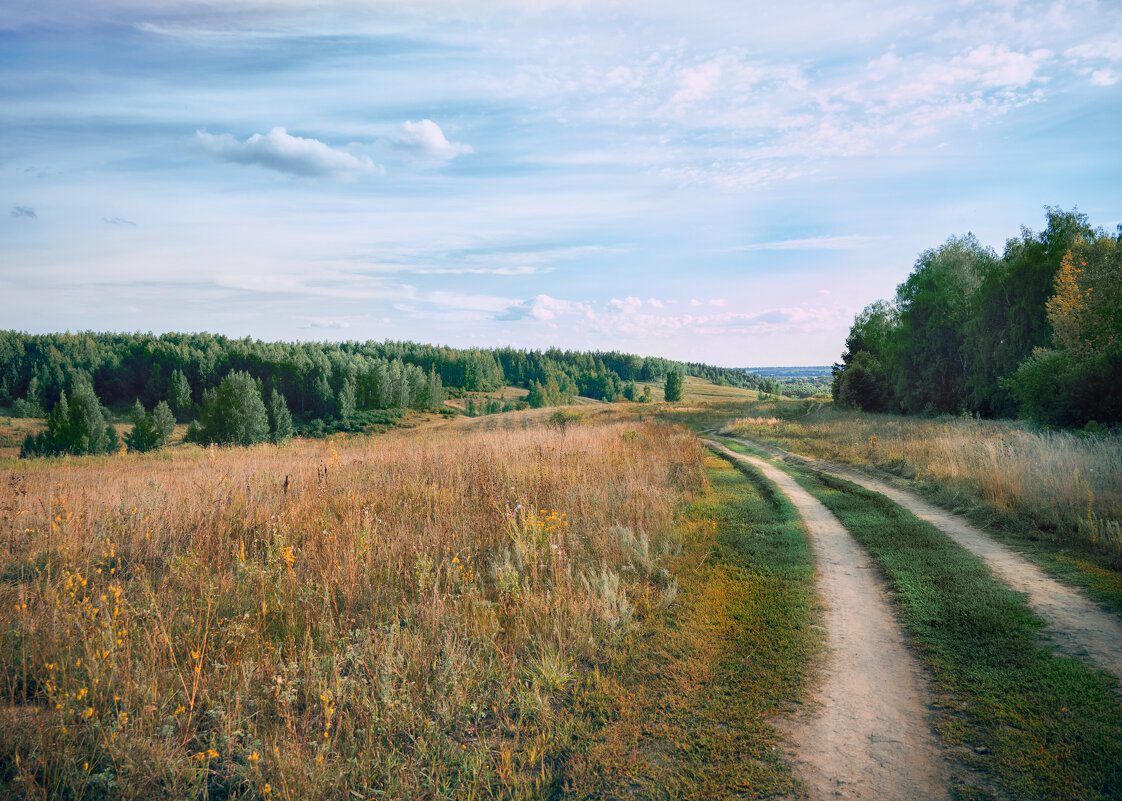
x=427 y=140
x=278 y=150
x=328 y=323
x=999 y=66
x=545 y=309
x=629 y=304
x=118 y=221
x=697 y=83
x=1104 y=78
x=23 y=211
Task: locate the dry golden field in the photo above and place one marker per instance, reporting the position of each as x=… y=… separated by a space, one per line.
x=392 y=616
x=1059 y=478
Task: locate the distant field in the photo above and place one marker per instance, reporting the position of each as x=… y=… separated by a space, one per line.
x=698 y=390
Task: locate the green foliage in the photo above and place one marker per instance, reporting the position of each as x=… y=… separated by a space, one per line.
x=233 y=413
x=673 y=387
x=318 y=380
x=347 y=400
x=863 y=384
x=563 y=418
x=144 y=436
x=24 y=408
x=74 y=426
x=179 y=395
x=1077 y=379
x=280 y=418
x=150 y=430
x=960 y=327
x=1008 y=311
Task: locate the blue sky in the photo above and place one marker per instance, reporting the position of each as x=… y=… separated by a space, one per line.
x=727 y=182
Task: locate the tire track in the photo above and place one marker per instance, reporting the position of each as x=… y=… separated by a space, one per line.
x=869 y=736
x=1076 y=625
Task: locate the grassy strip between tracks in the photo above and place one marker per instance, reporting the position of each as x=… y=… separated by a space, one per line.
x=692 y=695
x=1027 y=722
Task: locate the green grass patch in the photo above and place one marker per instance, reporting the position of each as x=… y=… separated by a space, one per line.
x=1036 y=724
x=1035 y=537
x=691 y=695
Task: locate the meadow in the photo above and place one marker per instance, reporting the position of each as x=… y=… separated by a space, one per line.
x=1064 y=486
x=413 y=615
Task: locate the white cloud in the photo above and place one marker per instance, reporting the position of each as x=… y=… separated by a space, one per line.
x=697 y=83
x=881 y=68
x=1104 y=78
x=998 y=66
x=280 y=151
x=1108 y=49
x=847 y=242
x=628 y=305
x=426 y=139
x=545 y=309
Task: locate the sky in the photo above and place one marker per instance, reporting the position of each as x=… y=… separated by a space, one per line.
x=728 y=182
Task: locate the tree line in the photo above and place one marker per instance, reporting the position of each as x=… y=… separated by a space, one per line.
x=246 y=390
x=1035 y=332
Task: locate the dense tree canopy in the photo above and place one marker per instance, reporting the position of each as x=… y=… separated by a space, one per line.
x=318 y=381
x=968 y=331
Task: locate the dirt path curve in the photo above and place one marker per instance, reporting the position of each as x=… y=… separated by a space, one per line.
x=870 y=736
x=1076 y=625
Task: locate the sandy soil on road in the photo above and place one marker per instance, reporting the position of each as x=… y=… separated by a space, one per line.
x=1076 y=625
x=869 y=733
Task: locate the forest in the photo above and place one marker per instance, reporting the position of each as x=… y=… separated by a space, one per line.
x=246 y=390
x=1035 y=332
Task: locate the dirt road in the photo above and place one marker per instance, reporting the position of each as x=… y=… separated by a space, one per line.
x=1076 y=625
x=869 y=735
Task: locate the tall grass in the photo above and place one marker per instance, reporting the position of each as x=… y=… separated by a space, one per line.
x=1069 y=484
x=409 y=616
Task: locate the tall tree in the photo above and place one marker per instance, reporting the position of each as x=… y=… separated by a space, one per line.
x=179 y=395
x=931 y=367
x=74 y=426
x=280 y=418
x=673 y=387
x=1008 y=318
x=1079 y=379
x=234 y=413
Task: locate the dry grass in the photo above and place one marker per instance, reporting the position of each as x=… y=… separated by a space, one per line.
x=417 y=615
x=699 y=391
x=1061 y=479
x=12 y=433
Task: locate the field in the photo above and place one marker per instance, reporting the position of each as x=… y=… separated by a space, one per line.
x=258 y=619
x=533 y=604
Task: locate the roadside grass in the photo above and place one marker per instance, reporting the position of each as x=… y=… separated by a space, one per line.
x=1039 y=725
x=696 y=687
x=1055 y=496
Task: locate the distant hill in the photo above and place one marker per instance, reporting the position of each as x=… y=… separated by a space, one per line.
x=790 y=372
